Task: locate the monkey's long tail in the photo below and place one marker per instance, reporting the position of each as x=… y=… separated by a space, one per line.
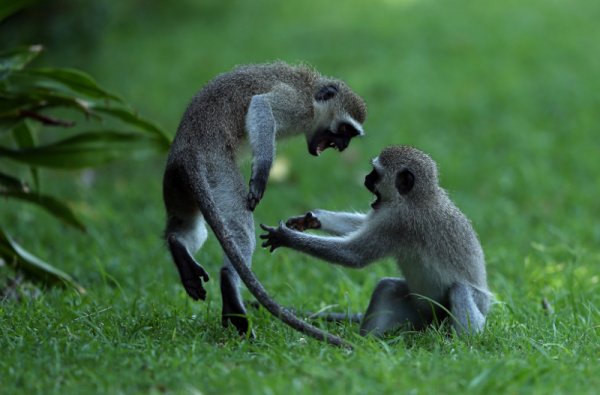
x=211 y=214
x=329 y=316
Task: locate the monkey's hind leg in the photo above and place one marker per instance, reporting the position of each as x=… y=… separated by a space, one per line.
x=391 y=307
x=467 y=316
x=233 y=307
x=185 y=237
x=239 y=221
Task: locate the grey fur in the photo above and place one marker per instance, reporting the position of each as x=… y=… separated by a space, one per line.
x=433 y=243
x=202 y=182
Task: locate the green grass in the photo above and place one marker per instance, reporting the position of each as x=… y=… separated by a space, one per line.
x=503 y=94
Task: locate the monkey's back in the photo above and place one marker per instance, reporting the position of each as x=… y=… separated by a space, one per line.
x=216 y=115
x=445 y=249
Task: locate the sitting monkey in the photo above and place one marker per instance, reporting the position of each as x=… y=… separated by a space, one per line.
x=414 y=221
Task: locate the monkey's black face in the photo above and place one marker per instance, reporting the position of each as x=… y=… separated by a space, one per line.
x=326 y=138
x=370 y=180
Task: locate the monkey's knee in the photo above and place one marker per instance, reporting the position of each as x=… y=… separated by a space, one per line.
x=469 y=324
x=191 y=231
x=390 y=308
x=468 y=317
x=397 y=285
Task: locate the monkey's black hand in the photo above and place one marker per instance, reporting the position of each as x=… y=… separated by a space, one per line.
x=303 y=222
x=275 y=237
x=257 y=190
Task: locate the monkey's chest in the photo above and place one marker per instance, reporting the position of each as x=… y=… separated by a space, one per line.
x=426 y=278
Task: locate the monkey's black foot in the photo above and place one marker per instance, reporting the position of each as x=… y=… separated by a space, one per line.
x=190 y=272
x=194 y=289
x=239 y=321
x=233 y=311
x=191 y=278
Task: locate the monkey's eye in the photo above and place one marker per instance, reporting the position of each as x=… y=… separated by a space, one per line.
x=405 y=180
x=326 y=93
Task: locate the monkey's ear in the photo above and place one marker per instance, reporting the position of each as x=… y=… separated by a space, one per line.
x=325 y=93
x=405 y=180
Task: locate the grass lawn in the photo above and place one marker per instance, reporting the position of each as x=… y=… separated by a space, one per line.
x=504 y=95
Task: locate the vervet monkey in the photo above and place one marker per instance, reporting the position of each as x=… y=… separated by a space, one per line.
x=414 y=221
x=202 y=182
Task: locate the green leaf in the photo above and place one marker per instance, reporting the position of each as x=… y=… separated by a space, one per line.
x=8 y=182
x=22 y=98
x=24 y=136
x=65 y=80
x=19 y=101
x=133 y=119
x=50 y=204
x=12 y=187
x=17 y=257
x=17 y=59
x=9 y=7
x=7 y=124
x=87 y=150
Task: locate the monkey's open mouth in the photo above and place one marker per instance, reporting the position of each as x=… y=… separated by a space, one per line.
x=370 y=180
x=324 y=139
x=324 y=144
x=377 y=202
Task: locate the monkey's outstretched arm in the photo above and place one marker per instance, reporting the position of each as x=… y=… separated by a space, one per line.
x=260 y=125
x=339 y=223
x=336 y=223
x=356 y=250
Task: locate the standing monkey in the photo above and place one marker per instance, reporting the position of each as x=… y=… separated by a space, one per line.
x=414 y=221
x=202 y=182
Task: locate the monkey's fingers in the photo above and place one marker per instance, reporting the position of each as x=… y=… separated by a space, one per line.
x=311 y=221
x=267 y=228
x=252 y=202
x=194 y=289
x=270 y=245
x=303 y=222
x=257 y=190
x=200 y=272
x=296 y=223
x=267 y=244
